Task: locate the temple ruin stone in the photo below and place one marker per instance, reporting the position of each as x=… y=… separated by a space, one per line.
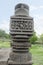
x=21 y=30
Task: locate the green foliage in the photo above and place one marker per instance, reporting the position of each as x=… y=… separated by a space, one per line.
x=41 y=38
x=37 y=54
x=3 y=34
x=4 y=44
x=34 y=38
x=7 y=36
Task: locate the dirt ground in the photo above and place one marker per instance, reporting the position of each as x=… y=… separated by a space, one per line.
x=4 y=54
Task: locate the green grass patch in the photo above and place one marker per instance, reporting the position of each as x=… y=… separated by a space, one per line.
x=4 y=44
x=37 y=54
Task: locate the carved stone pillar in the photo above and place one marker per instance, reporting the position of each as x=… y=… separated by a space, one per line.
x=21 y=29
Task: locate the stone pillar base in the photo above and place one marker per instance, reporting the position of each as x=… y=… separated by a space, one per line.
x=15 y=63
x=20 y=59
x=3 y=62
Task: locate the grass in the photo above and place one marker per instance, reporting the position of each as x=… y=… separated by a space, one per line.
x=37 y=54
x=4 y=44
x=36 y=50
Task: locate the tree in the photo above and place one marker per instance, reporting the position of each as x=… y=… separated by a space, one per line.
x=34 y=38
x=7 y=36
x=3 y=34
x=41 y=38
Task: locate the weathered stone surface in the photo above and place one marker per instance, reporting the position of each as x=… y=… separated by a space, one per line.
x=21 y=29
x=23 y=57
x=3 y=62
